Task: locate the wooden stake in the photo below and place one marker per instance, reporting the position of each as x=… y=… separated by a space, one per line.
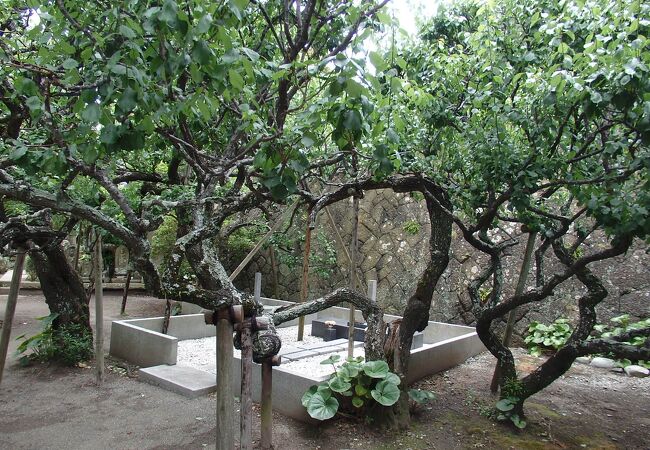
x=99 y=309
x=246 y=404
x=267 y=406
x=305 y=277
x=510 y=326
x=126 y=290
x=246 y=407
x=261 y=242
x=12 y=299
x=353 y=270
x=225 y=400
x=274 y=272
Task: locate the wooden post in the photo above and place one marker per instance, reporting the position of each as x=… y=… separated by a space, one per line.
x=305 y=277
x=521 y=284
x=274 y=272
x=372 y=290
x=225 y=400
x=353 y=270
x=12 y=299
x=266 y=419
x=126 y=290
x=99 y=309
x=246 y=406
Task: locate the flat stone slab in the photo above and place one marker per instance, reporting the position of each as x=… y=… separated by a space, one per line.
x=299 y=355
x=186 y=381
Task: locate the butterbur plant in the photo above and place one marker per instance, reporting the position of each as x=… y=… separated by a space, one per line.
x=357 y=383
x=506 y=411
x=547 y=337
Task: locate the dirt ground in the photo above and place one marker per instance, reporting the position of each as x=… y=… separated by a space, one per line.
x=46 y=406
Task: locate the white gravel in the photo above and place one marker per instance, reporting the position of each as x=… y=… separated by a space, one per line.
x=314 y=368
x=201 y=353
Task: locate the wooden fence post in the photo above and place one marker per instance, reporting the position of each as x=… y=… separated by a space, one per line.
x=353 y=270
x=99 y=309
x=267 y=402
x=304 y=289
x=12 y=299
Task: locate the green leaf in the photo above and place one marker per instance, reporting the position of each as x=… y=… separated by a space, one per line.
x=420 y=396
x=307 y=140
x=505 y=404
x=307 y=395
x=321 y=408
x=385 y=393
x=378 y=61
x=34 y=103
x=204 y=24
x=127 y=32
x=360 y=390
x=376 y=369
x=128 y=100
x=70 y=64
x=91 y=113
x=331 y=360
x=352 y=120
x=357 y=402
x=202 y=52
x=393 y=378
x=235 y=79
x=338 y=384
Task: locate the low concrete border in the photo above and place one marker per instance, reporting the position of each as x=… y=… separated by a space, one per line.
x=137 y=341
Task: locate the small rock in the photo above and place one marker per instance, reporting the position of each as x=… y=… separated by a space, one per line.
x=636 y=371
x=603 y=363
x=583 y=360
x=616 y=370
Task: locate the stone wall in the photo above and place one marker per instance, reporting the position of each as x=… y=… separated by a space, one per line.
x=393 y=243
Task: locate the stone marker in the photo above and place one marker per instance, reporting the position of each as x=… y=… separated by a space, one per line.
x=636 y=371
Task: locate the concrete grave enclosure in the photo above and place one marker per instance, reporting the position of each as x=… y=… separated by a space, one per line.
x=139 y=342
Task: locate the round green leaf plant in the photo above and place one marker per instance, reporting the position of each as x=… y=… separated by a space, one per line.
x=355 y=384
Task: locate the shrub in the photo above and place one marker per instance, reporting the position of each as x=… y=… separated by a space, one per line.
x=357 y=384
x=68 y=344
x=622 y=324
x=547 y=337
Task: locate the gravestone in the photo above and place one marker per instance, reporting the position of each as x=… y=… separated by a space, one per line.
x=121 y=260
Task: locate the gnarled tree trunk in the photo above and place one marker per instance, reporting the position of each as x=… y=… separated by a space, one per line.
x=63 y=290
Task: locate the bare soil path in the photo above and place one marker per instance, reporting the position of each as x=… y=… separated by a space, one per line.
x=43 y=407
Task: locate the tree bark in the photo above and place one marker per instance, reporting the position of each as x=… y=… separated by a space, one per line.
x=63 y=289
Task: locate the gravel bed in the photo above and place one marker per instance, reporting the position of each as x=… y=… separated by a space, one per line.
x=314 y=368
x=201 y=353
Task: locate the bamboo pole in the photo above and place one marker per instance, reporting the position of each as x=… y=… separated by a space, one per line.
x=10 y=310
x=521 y=284
x=339 y=238
x=261 y=242
x=305 y=277
x=353 y=270
x=99 y=309
x=274 y=272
